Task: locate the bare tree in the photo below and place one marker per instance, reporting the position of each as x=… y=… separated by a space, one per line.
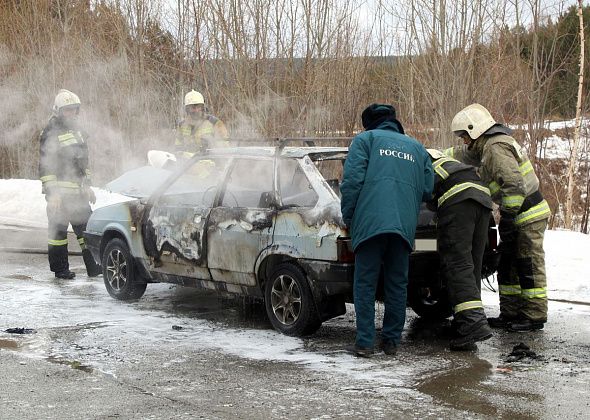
x=574 y=155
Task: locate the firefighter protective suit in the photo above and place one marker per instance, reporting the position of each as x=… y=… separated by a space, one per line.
x=463 y=206
x=506 y=169
x=197 y=136
x=64 y=173
x=198 y=131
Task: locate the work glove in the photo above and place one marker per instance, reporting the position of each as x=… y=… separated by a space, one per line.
x=508 y=231
x=91 y=195
x=53 y=203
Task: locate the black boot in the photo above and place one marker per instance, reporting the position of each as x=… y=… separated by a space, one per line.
x=92 y=268
x=360 y=351
x=65 y=274
x=501 y=321
x=467 y=342
x=526 y=325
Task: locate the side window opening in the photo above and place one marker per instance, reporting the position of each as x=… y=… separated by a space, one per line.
x=197 y=186
x=331 y=170
x=295 y=189
x=250 y=184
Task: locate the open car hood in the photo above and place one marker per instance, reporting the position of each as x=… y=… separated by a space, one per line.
x=140 y=182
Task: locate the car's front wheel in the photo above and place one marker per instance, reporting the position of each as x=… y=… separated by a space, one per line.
x=289 y=301
x=118 y=269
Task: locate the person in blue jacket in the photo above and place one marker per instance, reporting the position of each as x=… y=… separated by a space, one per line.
x=386 y=176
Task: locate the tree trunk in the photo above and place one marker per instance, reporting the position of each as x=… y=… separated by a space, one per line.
x=578 y=128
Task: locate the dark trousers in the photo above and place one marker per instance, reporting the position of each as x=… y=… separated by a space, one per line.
x=462 y=237
x=392 y=252
x=74 y=210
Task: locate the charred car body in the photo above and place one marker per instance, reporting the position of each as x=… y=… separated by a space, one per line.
x=254 y=221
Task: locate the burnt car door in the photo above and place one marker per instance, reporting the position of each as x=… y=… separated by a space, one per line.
x=174 y=224
x=240 y=227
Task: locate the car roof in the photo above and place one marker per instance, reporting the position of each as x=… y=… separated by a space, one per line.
x=289 y=152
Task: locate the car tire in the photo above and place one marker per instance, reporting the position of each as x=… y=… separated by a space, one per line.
x=289 y=302
x=118 y=270
x=429 y=304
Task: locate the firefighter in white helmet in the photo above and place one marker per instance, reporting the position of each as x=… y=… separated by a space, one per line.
x=199 y=130
x=65 y=178
x=506 y=169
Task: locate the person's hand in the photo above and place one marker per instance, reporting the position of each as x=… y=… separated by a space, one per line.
x=53 y=203
x=91 y=195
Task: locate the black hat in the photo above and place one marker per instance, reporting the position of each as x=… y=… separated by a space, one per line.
x=375 y=114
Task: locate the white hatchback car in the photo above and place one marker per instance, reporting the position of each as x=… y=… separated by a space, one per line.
x=253 y=221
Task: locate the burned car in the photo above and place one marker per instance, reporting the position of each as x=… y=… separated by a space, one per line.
x=253 y=221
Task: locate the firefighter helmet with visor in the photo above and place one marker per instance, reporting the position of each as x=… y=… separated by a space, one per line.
x=65 y=99
x=474 y=120
x=193 y=98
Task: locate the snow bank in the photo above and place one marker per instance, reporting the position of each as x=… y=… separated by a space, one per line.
x=22 y=203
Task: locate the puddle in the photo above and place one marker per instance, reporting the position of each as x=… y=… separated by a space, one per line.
x=461 y=386
x=8 y=344
x=74 y=364
x=19 y=277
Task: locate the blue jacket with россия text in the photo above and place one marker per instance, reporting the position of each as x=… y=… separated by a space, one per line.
x=386 y=176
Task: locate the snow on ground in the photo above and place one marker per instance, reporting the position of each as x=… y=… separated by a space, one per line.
x=557 y=147
x=22 y=204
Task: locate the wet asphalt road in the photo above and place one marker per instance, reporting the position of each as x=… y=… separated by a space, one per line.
x=182 y=353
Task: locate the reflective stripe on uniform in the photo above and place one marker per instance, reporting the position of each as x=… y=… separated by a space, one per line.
x=438 y=168
x=494 y=187
x=185 y=130
x=540 y=211
x=512 y=201
x=67 y=184
x=67 y=139
x=48 y=178
x=461 y=187
x=525 y=167
x=82 y=243
x=509 y=289
x=450 y=152
x=57 y=242
x=536 y=293
x=474 y=304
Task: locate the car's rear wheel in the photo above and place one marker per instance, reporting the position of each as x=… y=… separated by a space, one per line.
x=430 y=303
x=289 y=301
x=118 y=269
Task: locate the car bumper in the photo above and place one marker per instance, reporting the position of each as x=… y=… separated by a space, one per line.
x=330 y=278
x=92 y=242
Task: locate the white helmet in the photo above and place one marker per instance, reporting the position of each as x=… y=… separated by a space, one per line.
x=474 y=120
x=194 y=98
x=65 y=98
x=435 y=154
